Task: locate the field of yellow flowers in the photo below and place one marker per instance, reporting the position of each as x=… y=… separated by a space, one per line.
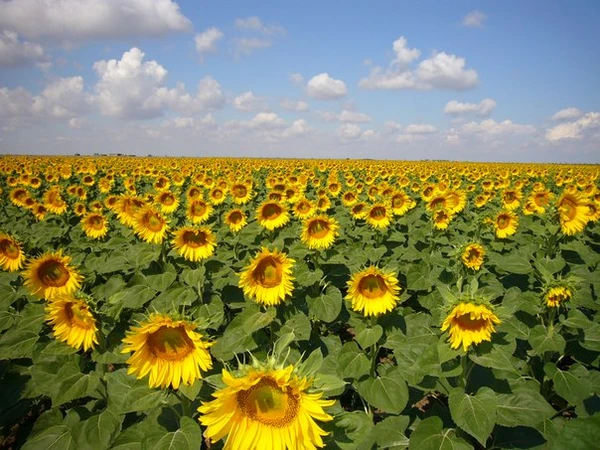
x=179 y=303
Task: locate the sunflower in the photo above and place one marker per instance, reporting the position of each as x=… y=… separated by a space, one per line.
x=557 y=295
x=54 y=202
x=168 y=202
x=18 y=196
x=11 y=254
x=94 y=225
x=511 y=199
x=216 y=196
x=265 y=408
x=171 y=351
x=573 y=213
x=199 y=211
x=241 y=193
x=303 y=209
x=272 y=215
x=441 y=219
x=194 y=244
x=506 y=224
x=51 y=275
x=378 y=216
x=39 y=211
x=470 y=323
x=150 y=225
x=359 y=210
x=236 y=220
x=472 y=256
x=127 y=207
x=319 y=232
x=72 y=322
x=373 y=292
x=268 y=278
x=400 y=203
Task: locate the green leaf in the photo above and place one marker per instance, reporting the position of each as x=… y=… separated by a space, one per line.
x=577 y=319
x=127 y=394
x=311 y=365
x=299 y=324
x=546 y=340
x=357 y=427
x=352 y=362
x=18 y=341
x=254 y=319
x=58 y=437
x=174 y=298
x=369 y=336
x=390 y=432
x=577 y=434
x=570 y=385
x=163 y=280
x=330 y=385
x=133 y=297
x=592 y=338
x=193 y=277
x=187 y=437
x=524 y=407
x=493 y=356
x=476 y=414
x=419 y=277
x=98 y=431
x=388 y=393
x=327 y=306
x=513 y=263
x=76 y=386
x=430 y=435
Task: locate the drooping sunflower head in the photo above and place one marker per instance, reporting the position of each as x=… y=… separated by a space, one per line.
x=11 y=254
x=573 y=213
x=271 y=405
x=373 y=292
x=556 y=296
x=72 y=322
x=470 y=323
x=194 y=244
x=236 y=220
x=268 y=278
x=170 y=350
x=150 y=225
x=506 y=223
x=95 y=225
x=472 y=256
x=272 y=215
x=378 y=216
x=319 y=232
x=51 y=275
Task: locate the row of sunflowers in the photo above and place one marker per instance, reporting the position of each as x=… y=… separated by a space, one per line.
x=297 y=304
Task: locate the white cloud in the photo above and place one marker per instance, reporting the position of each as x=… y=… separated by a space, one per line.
x=72 y=20
x=77 y=122
x=440 y=71
x=131 y=88
x=391 y=127
x=567 y=114
x=191 y=122
x=348 y=131
x=409 y=138
x=296 y=78
x=245 y=46
x=419 y=128
x=266 y=120
x=352 y=116
x=249 y=102
x=323 y=87
x=14 y=52
x=292 y=105
x=483 y=108
x=573 y=130
x=15 y=103
x=253 y=23
x=490 y=129
x=206 y=42
x=474 y=19
x=299 y=127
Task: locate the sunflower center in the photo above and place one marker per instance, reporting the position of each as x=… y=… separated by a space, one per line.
x=509 y=197
x=503 y=221
x=473 y=255
x=194 y=239
x=78 y=315
x=268 y=404
x=568 y=208
x=235 y=217
x=268 y=272
x=170 y=343
x=437 y=203
x=168 y=200
x=217 y=194
x=53 y=273
x=397 y=202
x=377 y=213
x=198 y=209
x=9 y=249
x=318 y=229
x=239 y=191
x=466 y=322
x=153 y=222
x=271 y=211
x=96 y=222
x=541 y=199
x=303 y=207
x=372 y=286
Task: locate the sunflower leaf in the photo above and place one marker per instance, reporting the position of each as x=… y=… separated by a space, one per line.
x=476 y=414
x=388 y=393
x=431 y=435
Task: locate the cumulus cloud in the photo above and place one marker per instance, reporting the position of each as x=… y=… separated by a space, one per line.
x=15 y=52
x=474 y=19
x=489 y=129
x=296 y=78
x=440 y=71
x=253 y=23
x=69 y=20
x=206 y=42
x=567 y=114
x=483 y=108
x=246 y=46
x=348 y=131
x=131 y=88
x=573 y=130
x=293 y=105
x=249 y=102
x=345 y=116
x=323 y=87
x=63 y=98
x=418 y=128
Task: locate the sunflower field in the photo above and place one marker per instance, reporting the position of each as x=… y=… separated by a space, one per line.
x=187 y=303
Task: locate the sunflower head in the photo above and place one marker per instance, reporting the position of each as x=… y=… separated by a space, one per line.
x=472 y=256
x=506 y=223
x=236 y=220
x=272 y=215
x=573 y=212
x=94 y=225
x=168 y=202
x=194 y=244
x=468 y=323
x=150 y=225
x=51 y=275
x=11 y=254
x=304 y=208
x=378 y=216
x=373 y=292
x=268 y=278
x=556 y=296
x=319 y=232
x=199 y=211
x=72 y=321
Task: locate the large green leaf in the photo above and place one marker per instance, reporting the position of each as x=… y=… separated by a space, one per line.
x=388 y=392
x=58 y=437
x=98 y=431
x=187 y=437
x=431 y=435
x=127 y=394
x=325 y=306
x=352 y=362
x=546 y=340
x=524 y=407
x=390 y=433
x=476 y=414
x=573 y=385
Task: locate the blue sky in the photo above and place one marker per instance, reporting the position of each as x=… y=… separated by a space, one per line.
x=460 y=80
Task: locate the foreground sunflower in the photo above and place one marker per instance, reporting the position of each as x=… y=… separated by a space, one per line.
x=194 y=244
x=272 y=215
x=557 y=295
x=236 y=220
x=167 y=349
x=11 y=254
x=373 y=292
x=268 y=278
x=470 y=323
x=506 y=224
x=72 y=322
x=573 y=213
x=265 y=408
x=150 y=225
x=51 y=275
x=319 y=232
x=472 y=256
x=378 y=216
x=94 y=225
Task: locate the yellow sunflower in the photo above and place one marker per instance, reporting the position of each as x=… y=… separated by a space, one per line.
x=241 y=193
x=470 y=323
x=168 y=202
x=199 y=211
x=268 y=278
x=194 y=244
x=472 y=256
x=11 y=254
x=373 y=292
x=573 y=213
x=401 y=203
x=378 y=216
x=265 y=408
x=359 y=210
x=150 y=225
x=236 y=220
x=557 y=295
x=319 y=232
x=72 y=322
x=441 y=219
x=171 y=351
x=51 y=275
x=272 y=215
x=303 y=209
x=39 y=211
x=95 y=225
x=506 y=224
